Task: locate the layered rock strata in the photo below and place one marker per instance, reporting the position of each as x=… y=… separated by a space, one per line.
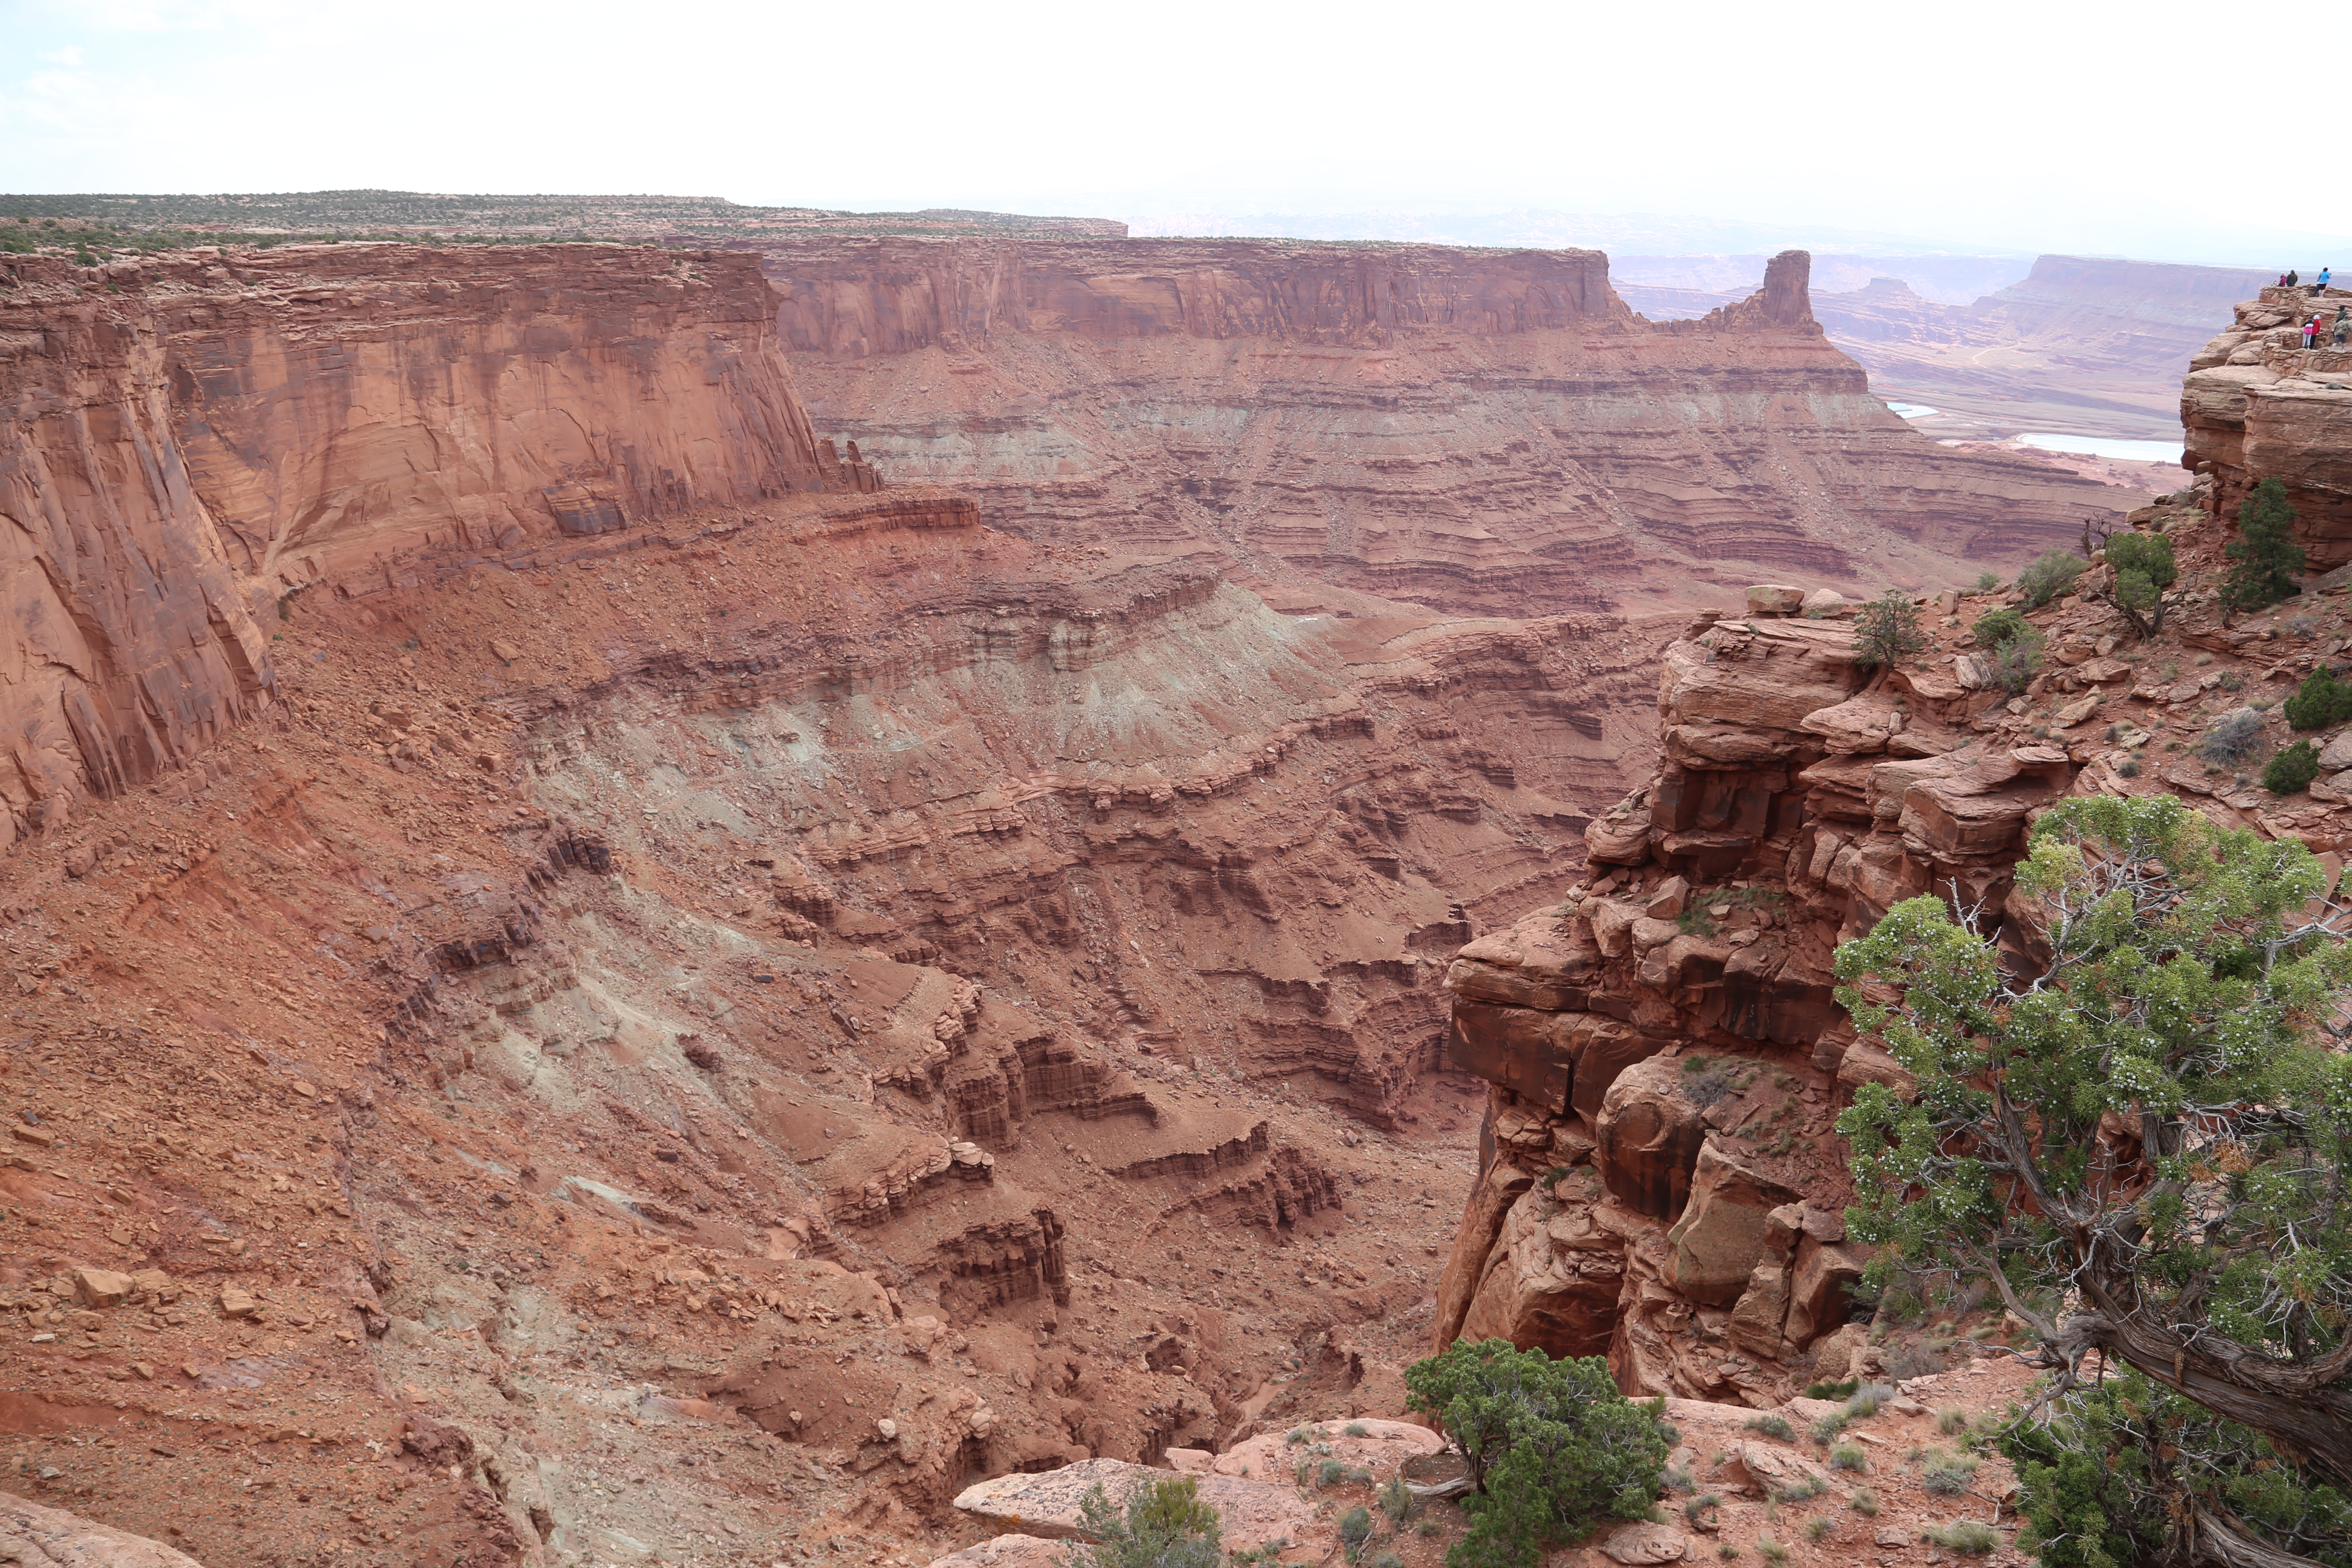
x=1660 y=1182
x=185 y=438
x=1481 y=431
x=2257 y=404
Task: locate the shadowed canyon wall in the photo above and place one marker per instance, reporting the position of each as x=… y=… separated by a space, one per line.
x=1479 y=431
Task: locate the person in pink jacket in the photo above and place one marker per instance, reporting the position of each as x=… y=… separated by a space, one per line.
x=2310 y=330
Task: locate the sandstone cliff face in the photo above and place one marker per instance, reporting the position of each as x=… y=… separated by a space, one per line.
x=182 y=438
x=1671 y=1025
x=1486 y=432
x=2256 y=404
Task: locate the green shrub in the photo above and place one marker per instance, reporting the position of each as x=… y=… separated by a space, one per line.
x=1865 y=1503
x=1826 y=1429
x=1966 y=1537
x=2013 y=666
x=2144 y=569
x=1396 y=1500
x=1772 y=1427
x=1831 y=1390
x=2291 y=770
x=1700 y=1507
x=1886 y=631
x=1355 y=1529
x=1357 y=1428
x=1386 y=1560
x=2319 y=701
x=1330 y=1473
x=1995 y=628
x=1950 y=1422
x=2265 y=551
x=1553 y=1446
x=1988 y=582
x=1817 y=1527
x=2047 y=576
x=1427 y=1526
x=1849 y=1456
x=1770 y=1550
x=1164 y=1524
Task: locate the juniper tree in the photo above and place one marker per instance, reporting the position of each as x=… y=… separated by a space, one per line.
x=2145 y=1146
x=1886 y=631
x=1552 y=1447
x=2265 y=551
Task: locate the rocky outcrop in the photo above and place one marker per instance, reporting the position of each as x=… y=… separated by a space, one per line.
x=38 y=1537
x=187 y=437
x=2256 y=404
x=1481 y=431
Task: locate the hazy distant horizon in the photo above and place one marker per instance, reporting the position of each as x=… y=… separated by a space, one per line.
x=2022 y=129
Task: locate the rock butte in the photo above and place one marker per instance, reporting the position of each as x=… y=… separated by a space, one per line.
x=587 y=970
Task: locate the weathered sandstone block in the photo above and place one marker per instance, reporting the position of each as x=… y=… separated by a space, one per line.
x=1722 y=1232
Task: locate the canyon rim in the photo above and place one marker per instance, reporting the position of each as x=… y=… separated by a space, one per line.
x=774 y=900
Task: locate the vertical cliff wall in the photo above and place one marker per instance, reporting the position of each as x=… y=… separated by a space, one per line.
x=2257 y=404
x=1479 y=431
x=184 y=437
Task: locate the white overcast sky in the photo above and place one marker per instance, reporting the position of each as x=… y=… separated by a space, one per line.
x=2054 y=125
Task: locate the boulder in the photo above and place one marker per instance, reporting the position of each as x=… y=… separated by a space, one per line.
x=1720 y=1238
x=1617 y=841
x=1466 y=1267
x=1668 y=898
x=1553 y=1282
x=2337 y=755
x=1526 y=1050
x=1819 y=1283
x=1764 y=677
x=1534 y=963
x=1250 y=1514
x=1867 y=1062
x=1857 y=726
x=1642 y=1543
x=38 y=1537
x=1646 y=1139
x=1757 y=1317
x=102 y=1287
x=1775 y=599
x=1384 y=1445
x=1827 y=602
x=1648 y=932
x=1612 y=925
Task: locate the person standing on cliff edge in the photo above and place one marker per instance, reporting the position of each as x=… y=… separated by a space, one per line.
x=2343 y=324
x=2323 y=279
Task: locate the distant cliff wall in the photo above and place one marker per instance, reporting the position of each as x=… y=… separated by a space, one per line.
x=182 y=437
x=1486 y=432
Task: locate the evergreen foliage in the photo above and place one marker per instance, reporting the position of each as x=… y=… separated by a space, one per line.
x=2095 y=1480
x=2143 y=568
x=2144 y=1148
x=2293 y=769
x=2047 y=576
x=1886 y=631
x=2265 y=551
x=1995 y=628
x=1163 y=1525
x=1553 y=1446
x=2322 y=699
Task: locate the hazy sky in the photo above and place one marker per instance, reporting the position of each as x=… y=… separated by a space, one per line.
x=2054 y=125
